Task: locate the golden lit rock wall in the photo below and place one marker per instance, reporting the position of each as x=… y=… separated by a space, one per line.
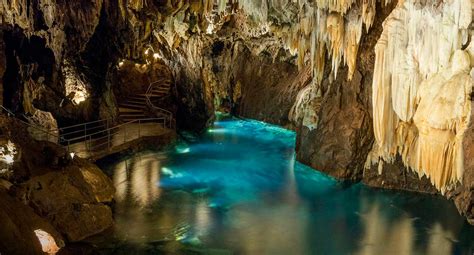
x=421 y=90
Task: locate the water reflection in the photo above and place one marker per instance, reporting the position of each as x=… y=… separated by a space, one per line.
x=137 y=178
x=239 y=190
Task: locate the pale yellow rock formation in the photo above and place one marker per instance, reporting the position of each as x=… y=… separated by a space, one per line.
x=421 y=90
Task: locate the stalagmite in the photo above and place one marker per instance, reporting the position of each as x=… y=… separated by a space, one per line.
x=421 y=89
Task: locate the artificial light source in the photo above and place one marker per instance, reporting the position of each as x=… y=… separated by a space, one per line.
x=120 y=63
x=72 y=154
x=76 y=87
x=48 y=244
x=79 y=97
x=7 y=153
x=210 y=29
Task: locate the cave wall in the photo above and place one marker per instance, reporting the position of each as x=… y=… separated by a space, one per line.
x=88 y=38
x=311 y=70
x=332 y=114
x=3 y=65
x=343 y=136
x=264 y=88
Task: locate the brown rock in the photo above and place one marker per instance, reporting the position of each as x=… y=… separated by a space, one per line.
x=79 y=221
x=464 y=195
x=396 y=176
x=18 y=223
x=71 y=199
x=340 y=143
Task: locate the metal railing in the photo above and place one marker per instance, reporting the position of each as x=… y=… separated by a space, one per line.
x=79 y=131
x=158 y=110
x=97 y=135
x=105 y=140
x=48 y=134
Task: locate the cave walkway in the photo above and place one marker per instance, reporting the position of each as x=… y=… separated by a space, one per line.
x=125 y=137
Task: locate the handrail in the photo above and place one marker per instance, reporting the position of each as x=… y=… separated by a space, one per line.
x=8 y=111
x=111 y=133
x=108 y=133
x=43 y=130
x=148 y=94
x=84 y=124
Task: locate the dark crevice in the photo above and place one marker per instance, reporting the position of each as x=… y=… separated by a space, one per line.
x=26 y=58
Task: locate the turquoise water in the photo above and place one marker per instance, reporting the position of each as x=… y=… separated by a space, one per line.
x=238 y=190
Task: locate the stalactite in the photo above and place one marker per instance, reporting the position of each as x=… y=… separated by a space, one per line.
x=336 y=24
x=421 y=89
x=353 y=28
x=368 y=12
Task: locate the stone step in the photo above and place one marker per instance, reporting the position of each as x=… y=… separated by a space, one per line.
x=157 y=93
x=149 y=120
x=137 y=101
x=132 y=114
x=125 y=110
x=133 y=106
x=136 y=98
x=161 y=88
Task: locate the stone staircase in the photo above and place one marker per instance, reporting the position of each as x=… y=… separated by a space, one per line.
x=136 y=106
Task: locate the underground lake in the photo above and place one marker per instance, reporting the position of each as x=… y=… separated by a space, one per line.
x=237 y=189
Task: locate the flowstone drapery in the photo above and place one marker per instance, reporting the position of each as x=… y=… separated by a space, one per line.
x=421 y=90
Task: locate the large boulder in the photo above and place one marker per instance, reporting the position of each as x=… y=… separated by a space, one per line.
x=71 y=199
x=18 y=225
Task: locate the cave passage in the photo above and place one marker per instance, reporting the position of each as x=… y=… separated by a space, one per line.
x=237 y=189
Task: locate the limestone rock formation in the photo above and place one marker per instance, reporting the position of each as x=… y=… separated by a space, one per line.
x=421 y=110
x=350 y=77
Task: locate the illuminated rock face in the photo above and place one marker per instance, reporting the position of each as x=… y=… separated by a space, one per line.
x=421 y=90
x=308 y=65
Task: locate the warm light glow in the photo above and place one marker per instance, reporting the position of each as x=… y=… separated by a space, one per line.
x=79 y=97
x=8 y=152
x=76 y=88
x=72 y=154
x=146 y=51
x=156 y=56
x=120 y=63
x=210 y=29
x=48 y=244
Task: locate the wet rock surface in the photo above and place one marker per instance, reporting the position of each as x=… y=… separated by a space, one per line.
x=396 y=176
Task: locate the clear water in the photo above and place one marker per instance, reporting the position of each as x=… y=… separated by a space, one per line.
x=238 y=190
